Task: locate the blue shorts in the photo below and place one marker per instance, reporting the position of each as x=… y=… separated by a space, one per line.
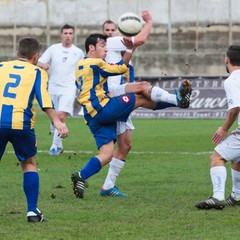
x=23 y=142
x=103 y=125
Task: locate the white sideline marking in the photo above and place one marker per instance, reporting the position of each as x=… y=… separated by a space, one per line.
x=132 y=152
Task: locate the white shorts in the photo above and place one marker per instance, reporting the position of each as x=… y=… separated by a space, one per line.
x=63 y=102
x=229 y=148
x=123 y=126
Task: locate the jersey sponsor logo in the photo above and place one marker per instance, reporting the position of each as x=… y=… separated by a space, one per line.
x=230 y=101
x=64 y=59
x=125 y=99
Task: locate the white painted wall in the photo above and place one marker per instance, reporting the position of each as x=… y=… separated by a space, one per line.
x=94 y=12
x=189 y=37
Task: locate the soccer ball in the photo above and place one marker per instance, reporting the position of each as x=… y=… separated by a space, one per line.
x=129 y=24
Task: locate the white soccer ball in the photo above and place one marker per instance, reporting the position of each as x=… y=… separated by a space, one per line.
x=129 y=24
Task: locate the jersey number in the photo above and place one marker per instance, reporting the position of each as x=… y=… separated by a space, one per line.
x=10 y=85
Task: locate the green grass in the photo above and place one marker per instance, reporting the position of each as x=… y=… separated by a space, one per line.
x=167 y=172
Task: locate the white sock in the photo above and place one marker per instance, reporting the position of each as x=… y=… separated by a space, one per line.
x=235 y=184
x=218 y=176
x=57 y=141
x=52 y=129
x=160 y=95
x=115 y=167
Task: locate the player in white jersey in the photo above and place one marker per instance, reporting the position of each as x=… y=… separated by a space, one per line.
x=61 y=60
x=228 y=145
x=109 y=28
x=116 y=49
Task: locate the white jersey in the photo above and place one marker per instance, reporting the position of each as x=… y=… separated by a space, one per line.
x=229 y=147
x=232 y=89
x=115 y=48
x=62 y=63
x=114 y=55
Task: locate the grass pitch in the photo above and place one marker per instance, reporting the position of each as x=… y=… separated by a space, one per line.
x=166 y=173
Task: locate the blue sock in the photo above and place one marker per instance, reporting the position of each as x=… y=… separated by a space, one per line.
x=31 y=189
x=162 y=105
x=93 y=166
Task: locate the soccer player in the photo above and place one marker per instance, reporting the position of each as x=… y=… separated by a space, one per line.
x=115 y=51
x=101 y=111
x=22 y=81
x=109 y=28
x=61 y=59
x=228 y=145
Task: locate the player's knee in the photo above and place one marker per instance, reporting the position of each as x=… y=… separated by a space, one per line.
x=143 y=86
x=105 y=158
x=29 y=165
x=108 y=156
x=145 y=90
x=235 y=166
x=127 y=147
x=124 y=150
x=216 y=160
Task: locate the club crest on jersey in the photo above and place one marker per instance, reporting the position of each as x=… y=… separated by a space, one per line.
x=125 y=99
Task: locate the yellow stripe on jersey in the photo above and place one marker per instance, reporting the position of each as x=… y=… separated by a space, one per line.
x=20 y=83
x=91 y=80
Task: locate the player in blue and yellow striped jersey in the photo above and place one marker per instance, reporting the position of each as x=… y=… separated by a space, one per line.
x=101 y=111
x=20 y=82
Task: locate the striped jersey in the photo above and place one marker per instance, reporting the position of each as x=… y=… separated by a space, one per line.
x=20 y=83
x=91 y=81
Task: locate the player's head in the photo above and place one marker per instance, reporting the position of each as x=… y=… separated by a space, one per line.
x=29 y=48
x=232 y=56
x=109 y=28
x=67 y=26
x=67 y=35
x=95 y=45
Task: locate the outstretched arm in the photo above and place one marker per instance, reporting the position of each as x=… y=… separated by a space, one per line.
x=143 y=35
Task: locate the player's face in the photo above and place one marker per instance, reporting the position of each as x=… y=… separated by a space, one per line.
x=67 y=37
x=101 y=49
x=109 y=29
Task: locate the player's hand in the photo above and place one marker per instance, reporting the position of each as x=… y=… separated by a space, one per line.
x=62 y=129
x=127 y=41
x=219 y=135
x=46 y=67
x=43 y=66
x=146 y=16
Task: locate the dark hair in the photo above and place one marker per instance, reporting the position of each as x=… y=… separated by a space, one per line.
x=28 y=46
x=233 y=53
x=109 y=22
x=93 y=39
x=67 y=26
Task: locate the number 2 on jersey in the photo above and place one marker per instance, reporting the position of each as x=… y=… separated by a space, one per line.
x=7 y=89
